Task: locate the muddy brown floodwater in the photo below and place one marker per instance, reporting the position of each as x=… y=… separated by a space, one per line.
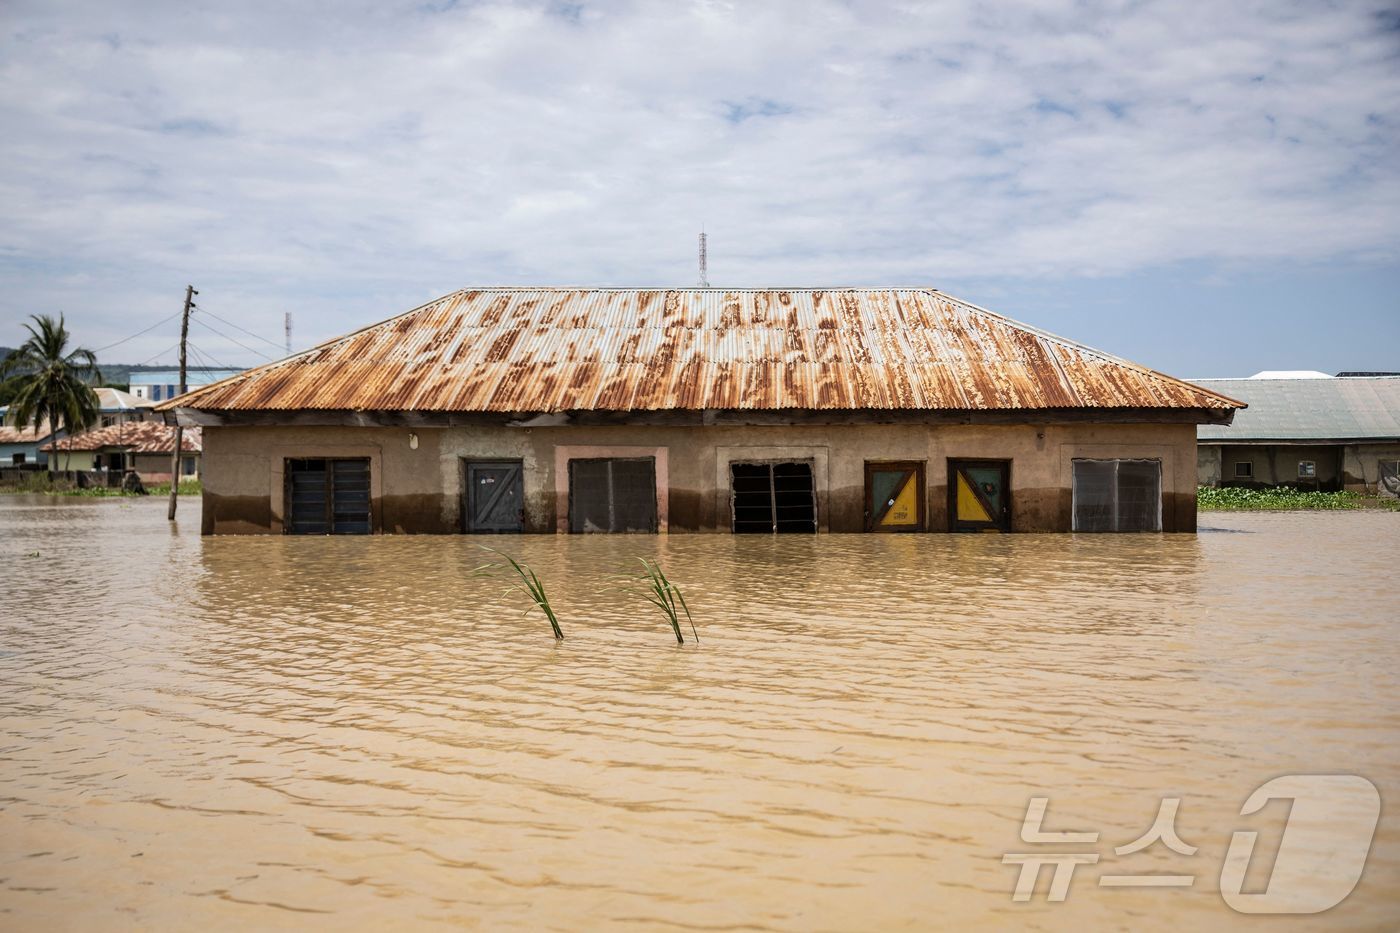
x=222 y=733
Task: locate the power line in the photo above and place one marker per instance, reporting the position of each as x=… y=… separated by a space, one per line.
x=208 y=362
x=235 y=340
x=242 y=329
x=137 y=334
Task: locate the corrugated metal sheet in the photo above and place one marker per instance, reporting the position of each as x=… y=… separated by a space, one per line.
x=10 y=434
x=1350 y=408
x=117 y=400
x=141 y=437
x=546 y=350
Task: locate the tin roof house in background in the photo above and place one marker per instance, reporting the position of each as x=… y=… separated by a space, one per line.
x=19 y=447
x=1308 y=430
x=731 y=410
x=141 y=447
x=159 y=386
x=117 y=407
x=25 y=447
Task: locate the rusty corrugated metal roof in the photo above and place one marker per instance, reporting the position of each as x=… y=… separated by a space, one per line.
x=141 y=437
x=12 y=434
x=612 y=349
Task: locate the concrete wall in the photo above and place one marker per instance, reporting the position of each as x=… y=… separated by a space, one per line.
x=77 y=460
x=1208 y=465
x=1354 y=467
x=1361 y=466
x=418 y=489
x=31 y=453
x=1277 y=465
x=155 y=468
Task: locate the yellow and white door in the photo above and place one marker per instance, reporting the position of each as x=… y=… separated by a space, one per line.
x=979 y=495
x=894 y=496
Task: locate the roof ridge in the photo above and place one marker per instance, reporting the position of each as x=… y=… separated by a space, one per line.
x=1155 y=387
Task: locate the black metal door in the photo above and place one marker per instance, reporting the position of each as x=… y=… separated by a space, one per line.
x=328 y=497
x=495 y=497
x=616 y=495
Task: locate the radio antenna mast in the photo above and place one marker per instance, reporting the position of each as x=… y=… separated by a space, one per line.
x=287 y=326
x=704 y=261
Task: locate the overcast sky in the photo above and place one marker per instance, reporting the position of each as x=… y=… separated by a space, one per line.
x=1209 y=188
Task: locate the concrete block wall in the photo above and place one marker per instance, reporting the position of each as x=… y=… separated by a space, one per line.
x=416 y=474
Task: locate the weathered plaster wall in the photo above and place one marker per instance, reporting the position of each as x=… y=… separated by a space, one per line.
x=78 y=460
x=419 y=490
x=1361 y=465
x=1208 y=465
x=1277 y=464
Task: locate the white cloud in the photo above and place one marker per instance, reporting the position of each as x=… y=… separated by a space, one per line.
x=344 y=161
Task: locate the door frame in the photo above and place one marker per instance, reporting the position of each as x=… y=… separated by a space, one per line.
x=921 y=510
x=467 y=464
x=1004 y=524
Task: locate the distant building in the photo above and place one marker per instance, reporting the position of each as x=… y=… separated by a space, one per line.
x=20 y=446
x=25 y=447
x=160 y=386
x=729 y=410
x=1311 y=430
x=117 y=407
x=142 y=447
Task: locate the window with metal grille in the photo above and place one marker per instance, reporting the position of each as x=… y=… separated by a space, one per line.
x=1117 y=495
x=773 y=497
x=1244 y=469
x=328 y=497
x=616 y=495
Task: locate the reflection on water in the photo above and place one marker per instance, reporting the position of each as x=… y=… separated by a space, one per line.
x=267 y=732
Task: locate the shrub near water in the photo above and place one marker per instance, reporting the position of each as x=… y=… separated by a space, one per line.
x=43 y=484
x=1210 y=499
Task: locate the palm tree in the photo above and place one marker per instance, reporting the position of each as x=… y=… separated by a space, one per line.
x=50 y=384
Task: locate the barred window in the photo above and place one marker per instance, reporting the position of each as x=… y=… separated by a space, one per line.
x=770 y=498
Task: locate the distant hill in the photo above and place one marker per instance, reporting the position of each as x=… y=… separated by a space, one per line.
x=119 y=374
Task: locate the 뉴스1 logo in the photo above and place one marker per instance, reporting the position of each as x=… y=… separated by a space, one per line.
x=1326 y=841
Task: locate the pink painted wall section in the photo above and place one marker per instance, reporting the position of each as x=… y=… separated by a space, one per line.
x=563 y=454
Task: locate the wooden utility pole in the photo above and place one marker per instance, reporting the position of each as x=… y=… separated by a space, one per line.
x=179 y=431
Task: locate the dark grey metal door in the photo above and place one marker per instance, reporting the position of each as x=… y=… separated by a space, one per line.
x=328 y=497
x=495 y=501
x=616 y=495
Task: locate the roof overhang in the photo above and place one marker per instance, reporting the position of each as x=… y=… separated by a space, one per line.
x=194 y=417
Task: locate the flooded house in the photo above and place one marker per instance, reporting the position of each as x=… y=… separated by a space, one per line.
x=1306 y=429
x=30 y=446
x=19 y=446
x=500 y=410
x=140 y=447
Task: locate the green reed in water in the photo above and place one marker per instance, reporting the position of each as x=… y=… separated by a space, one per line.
x=525 y=582
x=666 y=596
